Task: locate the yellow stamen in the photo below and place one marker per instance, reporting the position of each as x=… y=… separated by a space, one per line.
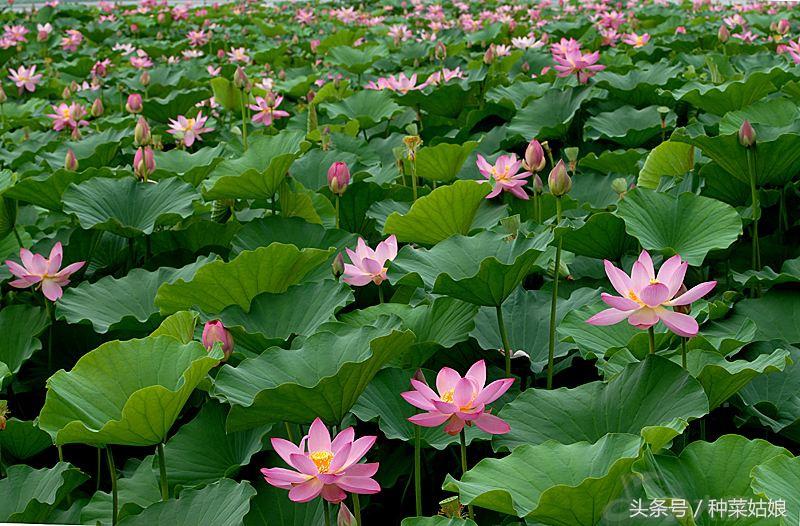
x=632 y=295
x=321 y=459
x=448 y=396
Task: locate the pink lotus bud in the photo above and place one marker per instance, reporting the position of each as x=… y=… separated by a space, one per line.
x=240 y=79
x=43 y=34
x=440 y=51
x=70 y=161
x=215 y=331
x=488 y=57
x=141 y=132
x=747 y=135
x=538 y=187
x=337 y=266
x=220 y=53
x=66 y=93
x=345 y=518
x=144 y=163
x=144 y=78
x=134 y=104
x=534 y=156
x=783 y=26
x=97 y=107
x=723 y=34
x=338 y=177
x=559 y=180
x=162 y=18
x=314 y=45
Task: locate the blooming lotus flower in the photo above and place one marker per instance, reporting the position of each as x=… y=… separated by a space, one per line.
x=647 y=298
x=187 y=130
x=25 y=78
x=636 y=40
x=794 y=51
x=238 y=55
x=367 y=264
x=15 y=33
x=401 y=83
x=44 y=273
x=43 y=31
x=265 y=108
x=584 y=65
x=73 y=39
x=460 y=401
x=68 y=116
x=213 y=332
x=198 y=38
x=323 y=466
x=505 y=176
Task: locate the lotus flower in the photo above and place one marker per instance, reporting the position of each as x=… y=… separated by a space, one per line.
x=265 y=108
x=213 y=332
x=68 y=116
x=367 y=264
x=323 y=466
x=645 y=296
x=636 y=40
x=25 y=78
x=189 y=130
x=505 y=176
x=460 y=401
x=44 y=273
x=575 y=62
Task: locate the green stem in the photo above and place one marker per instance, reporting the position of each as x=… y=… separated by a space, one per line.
x=356 y=508
x=274 y=205
x=418 y=470
x=99 y=466
x=60 y=453
x=244 y=122
x=326 y=508
x=683 y=353
x=289 y=432
x=49 y=313
x=337 y=210
x=112 y=470
x=380 y=294
x=162 y=468
x=751 y=168
x=463 y=440
x=16 y=235
x=504 y=338
x=414 y=179
x=551 y=351
x=651 y=335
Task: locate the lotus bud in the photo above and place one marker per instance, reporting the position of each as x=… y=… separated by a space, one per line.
x=534 y=157
x=141 y=132
x=162 y=18
x=525 y=67
x=134 y=104
x=663 y=111
x=440 y=51
x=240 y=79
x=97 y=108
x=783 y=26
x=488 y=57
x=337 y=266
x=723 y=34
x=3 y=414
x=559 y=180
x=345 y=518
x=619 y=185
x=144 y=163
x=747 y=135
x=70 y=161
x=144 y=78
x=156 y=141
x=66 y=93
x=73 y=86
x=338 y=177
x=538 y=187
x=220 y=53
x=3 y=96
x=215 y=331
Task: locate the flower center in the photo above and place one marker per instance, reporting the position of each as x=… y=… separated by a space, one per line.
x=321 y=459
x=654 y=281
x=448 y=396
x=632 y=295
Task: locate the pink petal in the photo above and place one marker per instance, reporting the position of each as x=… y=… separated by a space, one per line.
x=17 y=269
x=386 y=250
x=464 y=392
x=54 y=261
x=477 y=373
x=647 y=263
x=359 y=449
x=492 y=424
x=444 y=407
x=693 y=294
x=654 y=294
x=618 y=278
x=333 y=493
x=424 y=389
x=454 y=426
x=304 y=464
x=340 y=458
x=679 y=323
x=306 y=491
x=26 y=256
x=519 y=192
x=618 y=302
x=429 y=419
x=285 y=449
x=24 y=283
x=51 y=290
x=367 y=469
x=345 y=436
x=639 y=277
x=484 y=167
x=360 y=485
x=608 y=317
x=416 y=399
x=672 y=272
x=643 y=318
x=319 y=439
x=495 y=191
x=283 y=475
x=493 y=391
x=70 y=269
x=446 y=379
x=371 y=266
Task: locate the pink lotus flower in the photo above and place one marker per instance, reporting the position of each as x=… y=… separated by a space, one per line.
x=25 y=78
x=238 y=55
x=460 y=401
x=401 y=83
x=72 y=40
x=794 y=51
x=187 y=130
x=645 y=296
x=367 y=264
x=584 y=65
x=323 y=466
x=636 y=40
x=15 y=33
x=265 y=108
x=504 y=174
x=68 y=116
x=215 y=331
x=44 y=273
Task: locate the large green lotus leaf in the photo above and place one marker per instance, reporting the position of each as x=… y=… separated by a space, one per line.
x=47 y=190
x=381 y=401
x=311 y=170
x=31 y=495
x=93 y=151
x=136 y=490
x=526 y=314
x=191 y=167
x=439 y=520
x=367 y=106
x=776 y=315
x=552 y=483
x=668 y=159
x=654 y=398
x=771 y=112
x=441 y=324
x=5 y=374
x=637 y=86
x=219 y=284
x=201 y=452
x=718 y=470
x=721 y=378
x=20 y=325
x=549 y=116
x=778 y=479
x=621 y=162
x=443 y=161
x=483 y=269
x=603 y=236
x=356 y=59
x=179 y=326
x=517 y=94
x=127 y=302
x=226 y=94
x=291 y=231
x=626 y=125
x=766 y=278
x=271 y=507
x=728 y=96
x=276 y=316
x=689 y=224
x=128 y=207
x=445 y=212
x=224 y=503
x=197 y=235
x=774 y=399
x=259 y=172
x=22 y=439
x=178 y=102
x=777 y=160
x=127 y=393
x=323 y=378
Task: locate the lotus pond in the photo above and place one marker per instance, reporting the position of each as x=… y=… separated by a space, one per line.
x=407 y=263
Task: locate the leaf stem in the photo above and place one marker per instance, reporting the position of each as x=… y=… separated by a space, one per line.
x=756 y=205
x=651 y=336
x=112 y=470
x=99 y=466
x=162 y=468
x=551 y=351
x=244 y=121
x=327 y=510
x=418 y=470
x=337 y=210
x=504 y=338
x=380 y=294
x=683 y=353
x=356 y=508
x=289 y=432
x=463 y=440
